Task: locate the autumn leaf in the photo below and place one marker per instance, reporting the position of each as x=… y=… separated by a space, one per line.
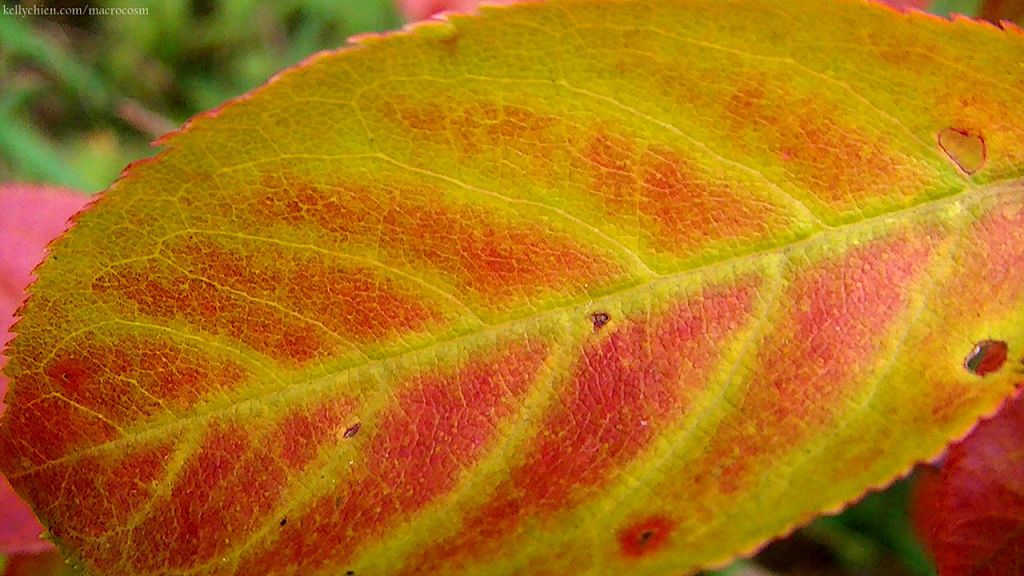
x=996 y=10
x=421 y=9
x=908 y=4
x=564 y=288
x=971 y=513
x=30 y=217
x=41 y=564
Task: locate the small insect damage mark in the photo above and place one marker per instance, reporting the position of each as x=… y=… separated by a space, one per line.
x=599 y=319
x=645 y=537
x=965 y=149
x=986 y=357
x=450 y=44
x=352 y=430
x=71 y=373
x=283 y=521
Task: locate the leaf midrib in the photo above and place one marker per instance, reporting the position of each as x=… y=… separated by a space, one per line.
x=971 y=194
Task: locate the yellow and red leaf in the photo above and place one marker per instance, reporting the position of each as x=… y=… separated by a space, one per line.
x=604 y=287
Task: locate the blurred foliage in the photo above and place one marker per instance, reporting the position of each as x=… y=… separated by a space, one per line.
x=82 y=96
x=872 y=538
x=946 y=7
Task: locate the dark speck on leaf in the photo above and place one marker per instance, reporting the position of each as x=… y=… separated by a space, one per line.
x=283 y=521
x=599 y=319
x=645 y=538
x=352 y=430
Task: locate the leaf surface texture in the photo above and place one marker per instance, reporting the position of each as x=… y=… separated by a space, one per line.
x=564 y=288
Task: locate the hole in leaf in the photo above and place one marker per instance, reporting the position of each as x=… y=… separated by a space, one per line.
x=645 y=537
x=71 y=372
x=987 y=356
x=963 y=148
x=352 y=430
x=599 y=319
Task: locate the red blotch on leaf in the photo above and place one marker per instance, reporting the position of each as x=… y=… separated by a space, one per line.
x=645 y=537
x=971 y=513
x=805 y=369
x=685 y=206
x=233 y=460
x=108 y=491
x=434 y=431
x=816 y=145
x=156 y=376
x=496 y=258
x=162 y=291
x=624 y=389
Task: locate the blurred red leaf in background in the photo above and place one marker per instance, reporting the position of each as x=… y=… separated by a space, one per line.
x=996 y=10
x=30 y=217
x=905 y=4
x=971 y=512
x=420 y=9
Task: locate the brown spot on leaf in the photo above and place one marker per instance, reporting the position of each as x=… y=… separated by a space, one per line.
x=352 y=430
x=645 y=537
x=72 y=372
x=599 y=319
x=965 y=149
x=450 y=44
x=987 y=356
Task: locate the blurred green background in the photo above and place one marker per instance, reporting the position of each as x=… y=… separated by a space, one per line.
x=81 y=97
